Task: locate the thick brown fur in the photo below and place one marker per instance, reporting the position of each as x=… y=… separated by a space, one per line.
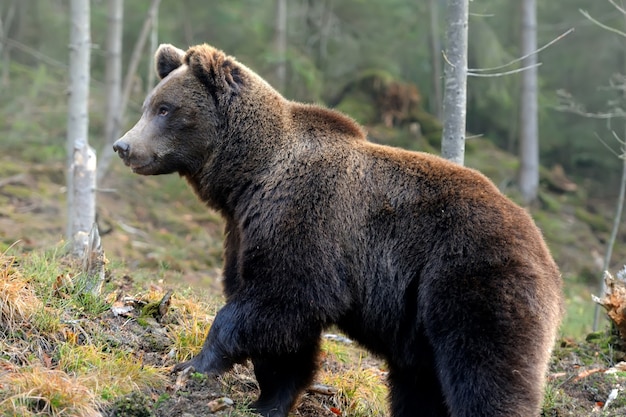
x=422 y=261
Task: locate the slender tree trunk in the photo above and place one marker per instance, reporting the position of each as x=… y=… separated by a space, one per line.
x=280 y=42
x=154 y=43
x=113 y=76
x=528 y=176
x=5 y=48
x=455 y=91
x=435 y=53
x=107 y=152
x=618 y=216
x=325 y=30
x=81 y=179
x=613 y=237
x=186 y=22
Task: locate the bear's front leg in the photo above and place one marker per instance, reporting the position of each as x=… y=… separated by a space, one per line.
x=282 y=343
x=221 y=349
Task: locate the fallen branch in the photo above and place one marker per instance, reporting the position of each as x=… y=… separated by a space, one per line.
x=614 y=300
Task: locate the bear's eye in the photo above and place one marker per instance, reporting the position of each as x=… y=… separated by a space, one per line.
x=163 y=110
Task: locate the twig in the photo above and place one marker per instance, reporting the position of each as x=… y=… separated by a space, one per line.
x=618 y=7
x=500 y=74
x=445 y=58
x=569 y=105
x=11 y=246
x=516 y=60
x=606 y=145
x=322 y=389
x=581 y=112
x=618 y=139
x=602 y=25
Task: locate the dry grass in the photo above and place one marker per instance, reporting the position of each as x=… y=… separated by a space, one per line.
x=40 y=391
x=53 y=360
x=18 y=301
x=193 y=320
x=361 y=388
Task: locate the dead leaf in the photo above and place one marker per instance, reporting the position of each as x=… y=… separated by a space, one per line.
x=47 y=360
x=219 y=404
x=181 y=379
x=119 y=308
x=335 y=411
x=587 y=372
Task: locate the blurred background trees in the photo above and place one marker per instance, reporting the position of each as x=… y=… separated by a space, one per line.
x=319 y=51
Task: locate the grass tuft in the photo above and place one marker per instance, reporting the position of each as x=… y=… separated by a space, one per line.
x=42 y=391
x=361 y=387
x=18 y=301
x=192 y=325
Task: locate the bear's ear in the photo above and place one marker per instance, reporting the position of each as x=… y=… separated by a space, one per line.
x=214 y=68
x=167 y=59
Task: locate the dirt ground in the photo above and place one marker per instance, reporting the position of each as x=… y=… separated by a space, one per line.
x=191 y=394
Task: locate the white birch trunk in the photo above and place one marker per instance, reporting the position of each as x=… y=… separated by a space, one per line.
x=280 y=42
x=528 y=176
x=455 y=90
x=154 y=44
x=5 y=48
x=113 y=74
x=107 y=152
x=81 y=179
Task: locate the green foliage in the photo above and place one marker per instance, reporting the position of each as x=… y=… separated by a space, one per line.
x=554 y=400
x=359 y=107
x=33 y=122
x=597 y=222
x=91 y=304
x=550 y=202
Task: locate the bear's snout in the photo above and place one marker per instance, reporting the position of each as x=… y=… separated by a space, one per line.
x=122 y=148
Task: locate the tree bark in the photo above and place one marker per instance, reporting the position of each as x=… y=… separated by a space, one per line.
x=455 y=91
x=435 y=57
x=528 y=176
x=81 y=179
x=280 y=42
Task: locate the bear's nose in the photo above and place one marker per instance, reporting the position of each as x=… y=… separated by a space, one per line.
x=122 y=148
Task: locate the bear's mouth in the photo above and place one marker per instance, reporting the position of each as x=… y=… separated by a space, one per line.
x=139 y=167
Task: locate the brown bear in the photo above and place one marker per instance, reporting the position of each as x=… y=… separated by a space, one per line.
x=423 y=262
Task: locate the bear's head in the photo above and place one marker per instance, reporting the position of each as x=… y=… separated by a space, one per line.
x=182 y=120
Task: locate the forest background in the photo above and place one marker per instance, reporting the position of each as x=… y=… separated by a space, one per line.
x=335 y=50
